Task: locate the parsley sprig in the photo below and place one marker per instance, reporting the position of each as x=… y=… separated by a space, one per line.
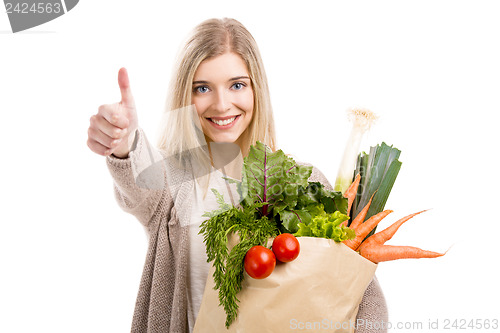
x=251 y=229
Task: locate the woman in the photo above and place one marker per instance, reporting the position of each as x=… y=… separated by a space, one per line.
x=219 y=95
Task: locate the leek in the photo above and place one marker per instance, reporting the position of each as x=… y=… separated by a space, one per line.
x=378 y=171
x=362 y=120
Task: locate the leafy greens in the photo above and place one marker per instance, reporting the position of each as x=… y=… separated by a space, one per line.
x=326 y=225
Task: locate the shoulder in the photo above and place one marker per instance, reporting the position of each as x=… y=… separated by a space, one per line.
x=317 y=175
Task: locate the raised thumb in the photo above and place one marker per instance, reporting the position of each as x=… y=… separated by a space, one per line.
x=126 y=92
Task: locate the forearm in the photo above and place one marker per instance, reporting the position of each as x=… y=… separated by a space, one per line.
x=372 y=314
x=139 y=179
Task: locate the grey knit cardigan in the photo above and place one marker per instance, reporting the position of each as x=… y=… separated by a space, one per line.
x=158 y=193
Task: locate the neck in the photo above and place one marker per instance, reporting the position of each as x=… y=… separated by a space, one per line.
x=226 y=157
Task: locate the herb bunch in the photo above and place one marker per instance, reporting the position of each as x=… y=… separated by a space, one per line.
x=228 y=263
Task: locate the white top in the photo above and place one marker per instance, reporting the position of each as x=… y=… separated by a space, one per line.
x=198 y=266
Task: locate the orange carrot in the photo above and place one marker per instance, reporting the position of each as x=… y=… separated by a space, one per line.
x=361 y=215
x=351 y=192
x=373 y=247
x=377 y=253
x=364 y=229
x=386 y=234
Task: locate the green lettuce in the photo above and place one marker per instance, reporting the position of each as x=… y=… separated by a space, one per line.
x=326 y=225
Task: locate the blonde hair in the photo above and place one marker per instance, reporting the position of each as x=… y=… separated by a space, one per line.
x=181 y=135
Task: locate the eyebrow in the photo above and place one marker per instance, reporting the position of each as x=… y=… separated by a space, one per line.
x=231 y=79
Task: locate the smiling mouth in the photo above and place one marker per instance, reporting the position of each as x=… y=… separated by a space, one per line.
x=223 y=121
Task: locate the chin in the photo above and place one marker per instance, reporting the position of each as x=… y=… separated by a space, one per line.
x=225 y=137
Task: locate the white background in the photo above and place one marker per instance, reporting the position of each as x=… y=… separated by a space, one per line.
x=71 y=260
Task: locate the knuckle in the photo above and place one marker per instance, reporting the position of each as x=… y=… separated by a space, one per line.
x=126 y=122
x=115 y=116
x=110 y=142
x=113 y=144
x=116 y=133
x=96 y=148
x=90 y=144
x=124 y=133
x=102 y=108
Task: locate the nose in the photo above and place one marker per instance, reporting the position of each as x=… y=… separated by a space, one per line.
x=222 y=101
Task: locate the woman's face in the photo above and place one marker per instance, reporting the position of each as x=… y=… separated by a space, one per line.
x=223 y=96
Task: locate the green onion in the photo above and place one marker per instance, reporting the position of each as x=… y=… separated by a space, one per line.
x=361 y=120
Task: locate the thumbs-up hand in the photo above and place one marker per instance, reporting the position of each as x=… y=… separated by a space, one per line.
x=112 y=129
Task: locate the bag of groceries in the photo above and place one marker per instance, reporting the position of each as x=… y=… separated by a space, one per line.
x=315 y=276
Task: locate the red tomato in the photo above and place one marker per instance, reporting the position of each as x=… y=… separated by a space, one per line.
x=259 y=262
x=286 y=247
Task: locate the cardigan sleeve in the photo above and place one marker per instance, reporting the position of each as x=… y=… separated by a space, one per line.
x=139 y=179
x=372 y=313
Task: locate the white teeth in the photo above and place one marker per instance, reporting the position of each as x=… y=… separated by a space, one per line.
x=223 y=122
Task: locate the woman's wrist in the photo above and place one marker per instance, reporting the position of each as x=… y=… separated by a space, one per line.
x=123 y=152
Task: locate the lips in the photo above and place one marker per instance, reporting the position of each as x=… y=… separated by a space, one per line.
x=223 y=122
x=223 y=118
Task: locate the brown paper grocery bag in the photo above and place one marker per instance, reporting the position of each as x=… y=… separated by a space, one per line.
x=320 y=290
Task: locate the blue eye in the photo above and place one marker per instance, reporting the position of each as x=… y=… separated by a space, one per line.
x=201 y=89
x=238 y=85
